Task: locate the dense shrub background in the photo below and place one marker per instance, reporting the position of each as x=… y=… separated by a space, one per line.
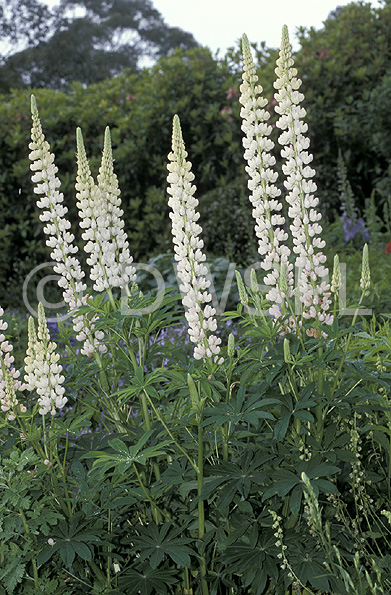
x=346 y=75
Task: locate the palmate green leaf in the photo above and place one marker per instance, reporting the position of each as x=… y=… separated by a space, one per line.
x=139 y=382
x=250 y=563
x=230 y=478
x=241 y=409
x=127 y=455
x=156 y=543
x=283 y=482
x=148 y=581
x=281 y=427
x=72 y=538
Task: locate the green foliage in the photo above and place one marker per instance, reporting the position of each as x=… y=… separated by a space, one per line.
x=139 y=110
x=346 y=66
x=86 y=47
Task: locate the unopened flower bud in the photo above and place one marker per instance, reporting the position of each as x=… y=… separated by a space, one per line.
x=336 y=278
x=287 y=351
x=231 y=345
x=365 y=281
x=241 y=288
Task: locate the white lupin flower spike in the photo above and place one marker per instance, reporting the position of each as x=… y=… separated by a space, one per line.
x=60 y=239
x=264 y=194
x=188 y=251
x=106 y=241
x=9 y=376
x=314 y=293
x=42 y=370
x=121 y=272
x=94 y=220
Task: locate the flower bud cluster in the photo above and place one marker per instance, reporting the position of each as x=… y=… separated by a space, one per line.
x=279 y=535
x=42 y=370
x=264 y=194
x=314 y=290
x=100 y=213
x=365 y=281
x=60 y=239
x=9 y=377
x=188 y=246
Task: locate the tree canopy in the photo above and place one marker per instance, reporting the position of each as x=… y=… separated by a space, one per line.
x=80 y=40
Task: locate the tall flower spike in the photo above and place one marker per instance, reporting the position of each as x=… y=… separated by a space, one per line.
x=43 y=372
x=188 y=251
x=336 y=278
x=365 y=281
x=60 y=239
x=264 y=194
x=314 y=293
x=100 y=215
x=94 y=220
x=120 y=270
x=9 y=376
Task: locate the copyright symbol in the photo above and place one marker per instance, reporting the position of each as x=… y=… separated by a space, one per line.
x=39 y=290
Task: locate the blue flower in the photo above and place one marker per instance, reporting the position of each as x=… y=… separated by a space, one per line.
x=354 y=226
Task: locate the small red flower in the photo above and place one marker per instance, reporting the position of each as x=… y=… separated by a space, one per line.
x=324 y=54
x=388 y=248
x=231 y=93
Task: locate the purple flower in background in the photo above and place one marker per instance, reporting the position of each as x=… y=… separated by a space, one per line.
x=354 y=226
x=54 y=332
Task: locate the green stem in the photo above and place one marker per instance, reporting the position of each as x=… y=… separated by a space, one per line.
x=33 y=560
x=147 y=425
x=319 y=412
x=108 y=549
x=201 y=510
x=156 y=510
x=171 y=436
x=225 y=427
x=346 y=347
x=62 y=471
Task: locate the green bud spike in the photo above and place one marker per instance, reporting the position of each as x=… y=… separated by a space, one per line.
x=32 y=337
x=283 y=280
x=231 y=345
x=336 y=278
x=34 y=109
x=287 y=351
x=365 y=281
x=79 y=140
x=43 y=331
x=178 y=146
x=194 y=396
x=254 y=281
x=242 y=290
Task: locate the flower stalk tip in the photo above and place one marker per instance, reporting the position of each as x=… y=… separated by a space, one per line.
x=34 y=109
x=191 y=269
x=365 y=281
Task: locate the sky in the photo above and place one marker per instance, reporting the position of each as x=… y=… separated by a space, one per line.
x=218 y=24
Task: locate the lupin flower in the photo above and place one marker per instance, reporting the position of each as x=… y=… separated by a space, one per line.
x=314 y=292
x=60 y=239
x=42 y=370
x=365 y=281
x=100 y=215
x=188 y=246
x=9 y=376
x=264 y=194
x=336 y=278
x=121 y=272
x=352 y=223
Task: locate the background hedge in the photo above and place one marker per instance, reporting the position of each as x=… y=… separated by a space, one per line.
x=345 y=68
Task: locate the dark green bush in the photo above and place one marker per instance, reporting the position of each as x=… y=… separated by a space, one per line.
x=345 y=68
